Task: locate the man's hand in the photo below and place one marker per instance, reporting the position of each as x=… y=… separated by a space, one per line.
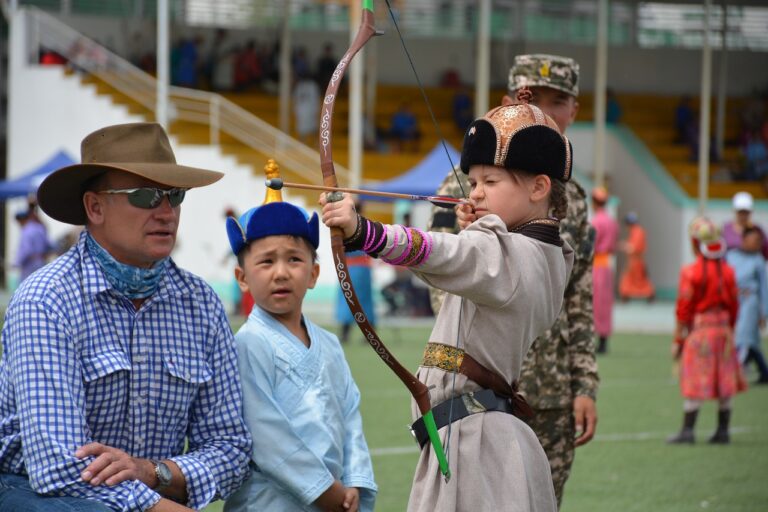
x=585 y=414
x=112 y=466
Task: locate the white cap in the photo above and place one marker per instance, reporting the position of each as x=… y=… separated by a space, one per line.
x=743 y=201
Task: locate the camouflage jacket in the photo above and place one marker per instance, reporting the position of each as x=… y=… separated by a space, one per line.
x=561 y=363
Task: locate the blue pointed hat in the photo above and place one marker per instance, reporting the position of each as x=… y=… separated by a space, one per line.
x=272 y=219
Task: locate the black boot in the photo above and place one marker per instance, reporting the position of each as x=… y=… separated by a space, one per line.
x=602 y=346
x=721 y=435
x=685 y=436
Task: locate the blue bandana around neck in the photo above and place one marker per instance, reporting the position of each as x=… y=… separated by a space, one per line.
x=132 y=282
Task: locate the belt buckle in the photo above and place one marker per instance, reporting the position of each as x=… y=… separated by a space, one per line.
x=413 y=433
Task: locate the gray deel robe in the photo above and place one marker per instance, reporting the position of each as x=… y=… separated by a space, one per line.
x=504 y=290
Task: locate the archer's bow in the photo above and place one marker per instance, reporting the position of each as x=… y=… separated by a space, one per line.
x=417 y=388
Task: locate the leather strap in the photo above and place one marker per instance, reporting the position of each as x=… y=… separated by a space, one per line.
x=453 y=359
x=460 y=407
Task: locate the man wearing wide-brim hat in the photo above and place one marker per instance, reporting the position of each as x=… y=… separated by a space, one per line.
x=115 y=359
x=559 y=376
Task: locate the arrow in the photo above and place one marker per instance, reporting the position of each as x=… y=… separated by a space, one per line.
x=441 y=201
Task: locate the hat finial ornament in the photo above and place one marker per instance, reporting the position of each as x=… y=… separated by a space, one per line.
x=272 y=171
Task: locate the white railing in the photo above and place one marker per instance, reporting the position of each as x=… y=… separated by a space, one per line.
x=222 y=116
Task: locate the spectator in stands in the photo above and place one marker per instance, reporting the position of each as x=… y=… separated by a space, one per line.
x=635 y=283
x=224 y=71
x=463 y=110
x=451 y=77
x=187 y=63
x=300 y=63
x=613 y=111
x=217 y=52
x=248 y=69
x=755 y=153
x=119 y=386
x=684 y=117
x=404 y=129
x=326 y=65
x=306 y=107
x=733 y=230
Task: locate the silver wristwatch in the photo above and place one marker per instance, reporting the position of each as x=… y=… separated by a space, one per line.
x=163 y=474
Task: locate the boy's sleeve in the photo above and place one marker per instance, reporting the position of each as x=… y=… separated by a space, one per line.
x=358 y=470
x=278 y=451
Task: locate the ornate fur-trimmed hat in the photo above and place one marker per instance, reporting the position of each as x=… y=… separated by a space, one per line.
x=541 y=70
x=518 y=137
x=271 y=219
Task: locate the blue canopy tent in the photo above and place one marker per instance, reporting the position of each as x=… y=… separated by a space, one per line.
x=423 y=179
x=27 y=183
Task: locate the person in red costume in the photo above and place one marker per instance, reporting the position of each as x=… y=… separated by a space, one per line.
x=706 y=310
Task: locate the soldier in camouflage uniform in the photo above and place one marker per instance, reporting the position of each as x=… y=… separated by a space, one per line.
x=559 y=376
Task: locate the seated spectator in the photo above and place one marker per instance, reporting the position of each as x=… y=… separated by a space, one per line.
x=404 y=129
x=683 y=119
x=119 y=387
x=463 y=112
x=451 y=78
x=326 y=65
x=755 y=154
x=613 y=111
x=248 y=69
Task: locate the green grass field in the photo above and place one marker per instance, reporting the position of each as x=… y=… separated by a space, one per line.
x=628 y=467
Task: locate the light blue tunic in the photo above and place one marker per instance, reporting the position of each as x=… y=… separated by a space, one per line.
x=302 y=408
x=753 y=298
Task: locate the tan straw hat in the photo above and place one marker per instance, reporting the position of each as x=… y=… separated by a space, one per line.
x=138 y=148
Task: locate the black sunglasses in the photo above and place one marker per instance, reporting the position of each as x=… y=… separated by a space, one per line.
x=150 y=197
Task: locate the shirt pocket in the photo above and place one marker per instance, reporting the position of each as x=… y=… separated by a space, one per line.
x=106 y=377
x=183 y=377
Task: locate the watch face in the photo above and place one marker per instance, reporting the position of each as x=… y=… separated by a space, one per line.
x=163 y=473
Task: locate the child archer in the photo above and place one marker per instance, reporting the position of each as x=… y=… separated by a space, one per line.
x=505 y=276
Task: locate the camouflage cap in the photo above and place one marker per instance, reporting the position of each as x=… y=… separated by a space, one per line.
x=540 y=70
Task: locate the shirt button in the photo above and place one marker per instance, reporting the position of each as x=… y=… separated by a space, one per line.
x=140 y=358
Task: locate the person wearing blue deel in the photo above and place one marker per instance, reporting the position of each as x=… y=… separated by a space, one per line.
x=299 y=398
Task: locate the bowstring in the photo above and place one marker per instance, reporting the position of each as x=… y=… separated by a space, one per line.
x=424 y=96
x=463 y=193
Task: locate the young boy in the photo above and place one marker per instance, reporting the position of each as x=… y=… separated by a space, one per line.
x=749 y=265
x=504 y=276
x=299 y=400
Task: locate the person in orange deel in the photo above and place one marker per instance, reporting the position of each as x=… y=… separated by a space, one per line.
x=706 y=311
x=634 y=282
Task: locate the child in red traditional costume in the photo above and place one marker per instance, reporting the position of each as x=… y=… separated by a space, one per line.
x=706 y=311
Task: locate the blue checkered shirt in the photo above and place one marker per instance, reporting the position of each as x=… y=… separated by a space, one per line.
x=81 y=364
